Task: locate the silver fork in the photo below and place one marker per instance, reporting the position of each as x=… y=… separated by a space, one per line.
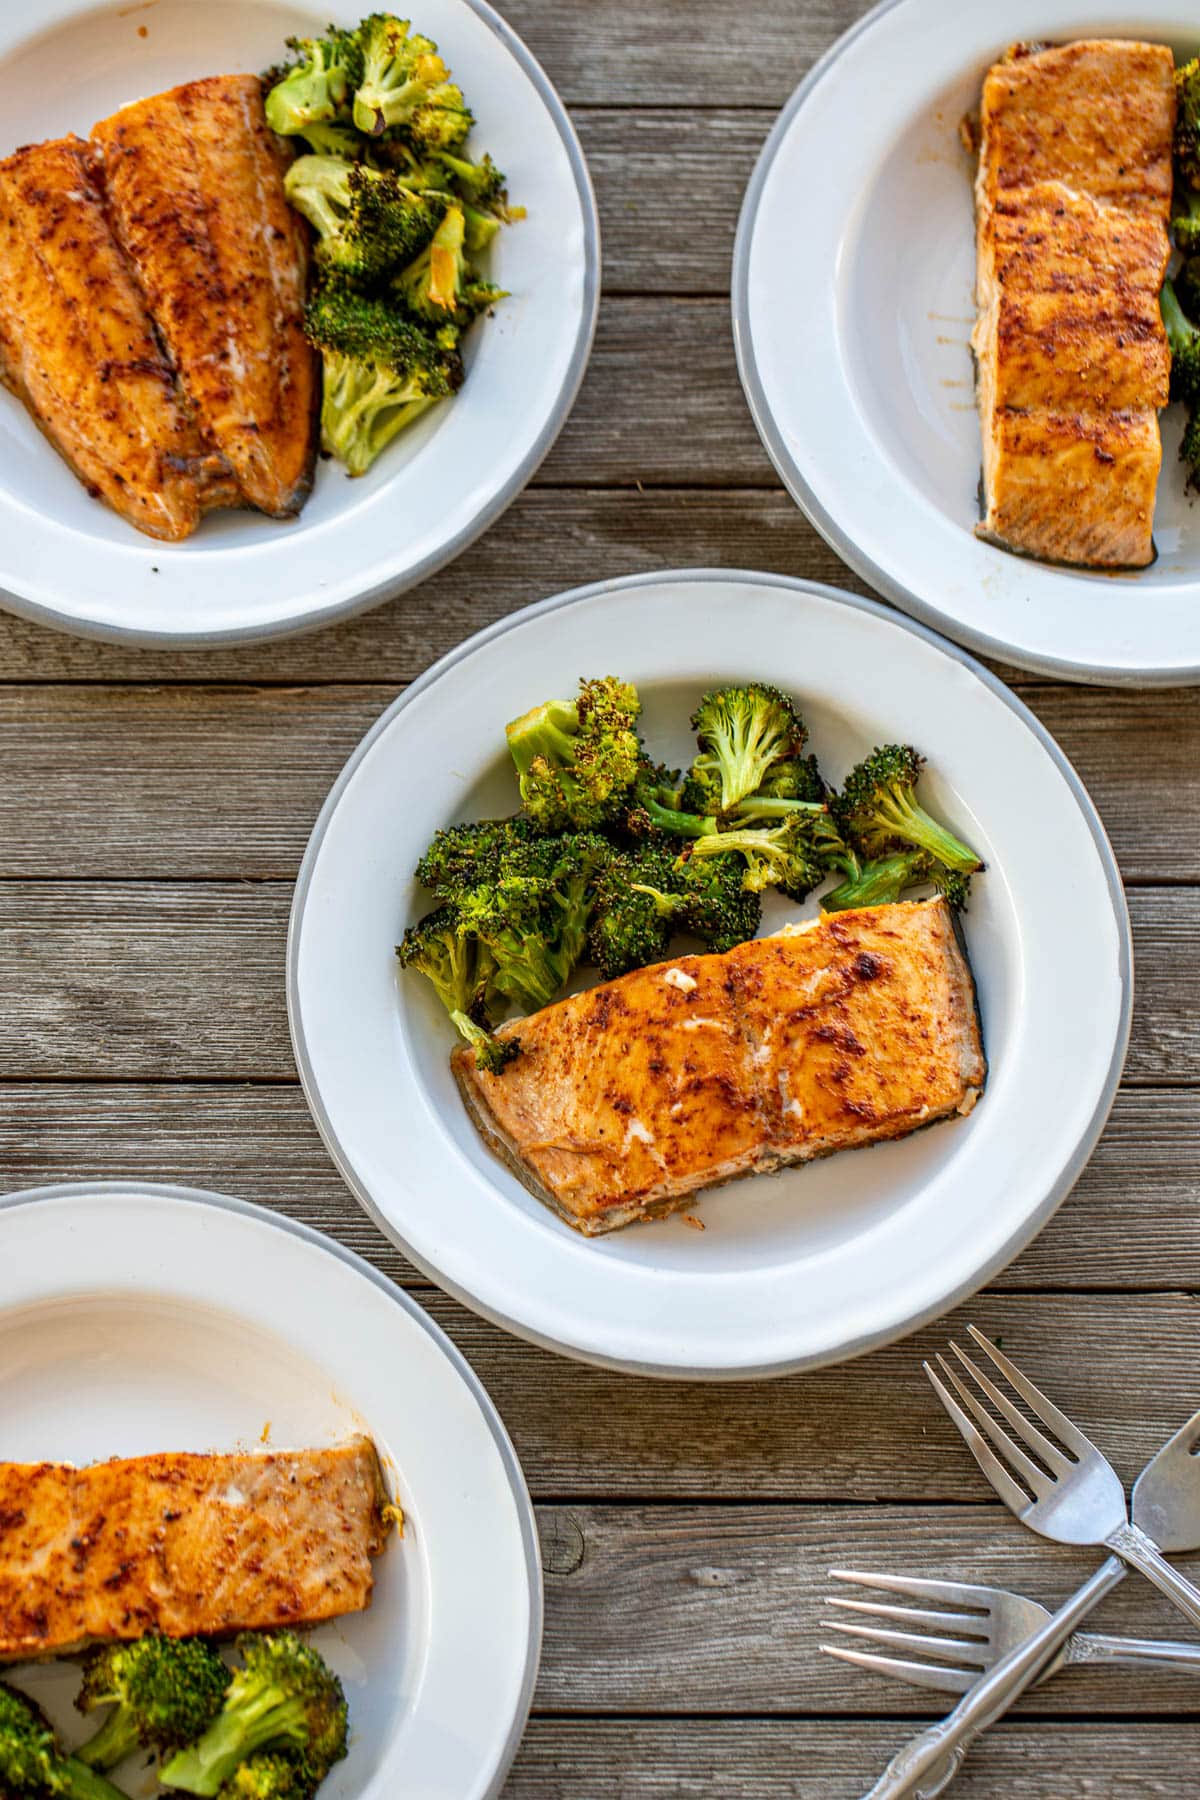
x=1071 y=1492
x=966 y=1629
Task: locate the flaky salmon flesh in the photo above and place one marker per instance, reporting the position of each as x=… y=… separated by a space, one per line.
x=187 y=1545
x=628 y=1098
x=1072 y=198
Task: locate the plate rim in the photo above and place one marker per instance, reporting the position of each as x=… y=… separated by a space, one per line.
x=793 y=477
x=59 y=619
x=163 y=1191
x=1031 y=1227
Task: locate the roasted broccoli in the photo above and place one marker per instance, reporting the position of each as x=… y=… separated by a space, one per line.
x=1185 y=219
x=271 y=1775
x=32 y=1767
x=533 y=915
x=718 y=908
x=576 y=759
x=462 y=855
x=283 y=1697
x=634 y=912
x=878 y=811
x=653 y=807
x=163 y=1693
x=1184 y=341
x=479 y=182
x=880 y=882
x=743 y=732
x=381 y=371
x=460 y=969
x=317 y=86
x=440 y=284
x=333 y=137
x=785 y=855
x=367 y=222
x=404 y=82
x=1187 y=123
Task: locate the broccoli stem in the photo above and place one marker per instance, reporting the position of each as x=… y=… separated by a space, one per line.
x=116 y=1739
x=878 y=883
x=909 y=820
x=549 y=730
x=249 y=1724
x=679 y=824
x=755 y=808
x=491 y=1053
x=86 y=1784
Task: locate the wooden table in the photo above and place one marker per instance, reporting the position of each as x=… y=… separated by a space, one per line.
x=155 y=808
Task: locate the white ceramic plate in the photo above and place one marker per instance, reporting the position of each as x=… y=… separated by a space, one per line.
x=853 y=284
x=810 y=1265
x=137 y=1318
x=66 y=560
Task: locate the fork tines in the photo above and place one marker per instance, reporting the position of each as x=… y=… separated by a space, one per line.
x=950 y=1662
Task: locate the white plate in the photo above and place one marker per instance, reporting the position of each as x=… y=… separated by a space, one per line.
x=853 y=281
x=810 y=1265
x=136 y=1318
x=66 y=560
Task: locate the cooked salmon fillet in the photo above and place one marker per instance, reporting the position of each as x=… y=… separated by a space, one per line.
x=185 y=1545
x=195 y=185
x=629 y=1097
x=78 y=347
x=1072 y=198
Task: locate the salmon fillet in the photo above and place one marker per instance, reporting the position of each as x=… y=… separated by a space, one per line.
x=629 y=1097
x=78 y=347
x=195 y=184
x=1072 y=198
x=186 y=1545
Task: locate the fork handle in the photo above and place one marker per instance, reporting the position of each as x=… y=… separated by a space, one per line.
x=1143 y=1554
x=930 y=1761
x=1095 y=1647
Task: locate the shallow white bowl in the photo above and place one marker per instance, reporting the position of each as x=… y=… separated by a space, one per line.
x=853 y=285
x=136 y=1318
x=810 y=1265
x=66 y=560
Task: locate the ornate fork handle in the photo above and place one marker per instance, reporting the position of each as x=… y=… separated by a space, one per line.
x=1142 y=1553
x=929 y=1763
x=1095 y=1647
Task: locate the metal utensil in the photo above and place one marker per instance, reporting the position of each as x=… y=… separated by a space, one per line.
x=1071 y=1494
x=966 y=1629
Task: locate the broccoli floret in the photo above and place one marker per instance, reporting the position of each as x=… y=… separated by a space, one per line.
x=163 y=1692
x=284 y=1697
x=782 y=856
x=880 y=882
x=481 y=183
x=381 y=371
x=479 y=230
x=32 y=1767
x=404 y=79
x=634 y=913
x=462 y=855
x=439 y=284
x=1187 y=287
x=1189 y=449
x=533 y=916
x=1184 y=341
x=576 y=759
x=718 y=908
x=315 y=89
x=270 y=1776
x=367 y=221
x=654 y=807
x=743 y=732
x=1187 y=122
x=1185 y=219
x=331 y=137
x=460 y=969
x=878 y=811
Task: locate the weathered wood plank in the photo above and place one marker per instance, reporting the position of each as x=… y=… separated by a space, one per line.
x=1132 y=1222
x=766 y=1759
x=117 y=979
x=722 y=1609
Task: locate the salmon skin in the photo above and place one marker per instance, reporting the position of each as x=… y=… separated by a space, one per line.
x=79 y=348
x=1072 y=197
x=628 y=1098
x=185 y=1545
x=195 y=185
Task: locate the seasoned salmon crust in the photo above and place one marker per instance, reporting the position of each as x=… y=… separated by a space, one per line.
x=627 y=1098
x=186 y=1545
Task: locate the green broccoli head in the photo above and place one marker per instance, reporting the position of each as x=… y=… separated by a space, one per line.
x=1189 y=449
x=576 y=759
x=32 y=1767
x=163 y=1691
x=460 y=969
x=1184 y=342
x=784 y=855
x=462 y=855
x=439 y=284
x=533 y=914
x=653 y=807
x=271 y=1775
x=1187 y=122
x=381 y=370
x=316 y=87
x=717 y=907
x=1185 y=220
x=878 y=811
x=743 y=732
x=634 y=910
x=367 y=222
x=283 y=1697
x=404 y=82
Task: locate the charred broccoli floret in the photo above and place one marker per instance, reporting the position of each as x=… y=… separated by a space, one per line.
x=462 y=855
x=878 y=811
x=270 y=1775
x=634 y=912
x=317 y=86
x=1185 y=219
x=460 y=969
x=404 y=82
x=1184 y=341
x=783 y=855
x=533 y=915
x=381 y=371
x=717 y=906
x=32 y=1767
x=481 y=183
x=164 y=1692
x=439 y=284
x=743 y=732
x=283 y=1697
x=654 y=806
x=367 y=222
x=1187 y=122
x=576 y=759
